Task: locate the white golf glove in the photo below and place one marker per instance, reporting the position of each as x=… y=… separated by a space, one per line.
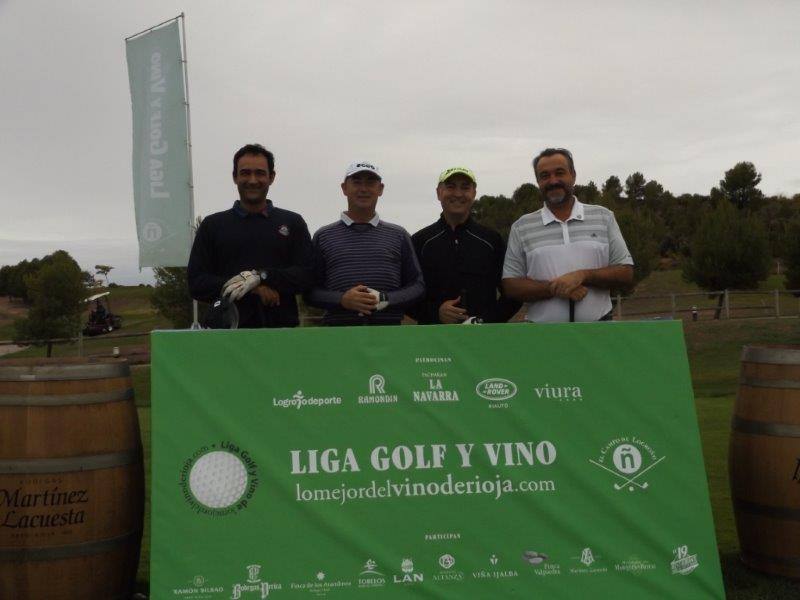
x=383 y=302
x=239 y=285
x=472 y=321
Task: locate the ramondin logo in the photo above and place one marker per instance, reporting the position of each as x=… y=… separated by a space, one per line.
x=377 y=392
x=377 y=384
x=496 y=389
x=628 y=458
x=219 y=479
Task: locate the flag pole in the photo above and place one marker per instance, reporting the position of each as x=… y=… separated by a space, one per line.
x=182 y=17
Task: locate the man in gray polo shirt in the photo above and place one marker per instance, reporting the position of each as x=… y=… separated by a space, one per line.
x=563 y=259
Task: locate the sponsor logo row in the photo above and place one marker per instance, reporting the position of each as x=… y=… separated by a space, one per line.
x=496 y=390
x=585 y=561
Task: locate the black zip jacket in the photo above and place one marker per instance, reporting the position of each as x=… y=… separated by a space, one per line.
x=466 y=261
x=232 y=241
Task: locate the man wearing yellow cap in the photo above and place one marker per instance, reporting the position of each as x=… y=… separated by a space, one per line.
x=461 y=260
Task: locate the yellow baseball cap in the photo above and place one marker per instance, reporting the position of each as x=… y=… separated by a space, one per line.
x=447 y=173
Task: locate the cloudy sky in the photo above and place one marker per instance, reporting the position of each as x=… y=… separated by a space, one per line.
x=678 y=90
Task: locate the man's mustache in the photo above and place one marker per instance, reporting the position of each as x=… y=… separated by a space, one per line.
x=555 y=186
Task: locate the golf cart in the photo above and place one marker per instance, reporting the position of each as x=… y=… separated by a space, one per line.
x=101 y=319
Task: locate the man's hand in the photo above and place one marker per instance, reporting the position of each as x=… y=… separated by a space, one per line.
x=566 y=284
x=268 y=296
x=579 y=293
x=450 y=313
x=239 y=285
x=359 y=299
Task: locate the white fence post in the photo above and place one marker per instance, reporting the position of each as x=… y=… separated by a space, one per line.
x=672 y=302
x=727 y=305
x=777 y=304
x=619 y=306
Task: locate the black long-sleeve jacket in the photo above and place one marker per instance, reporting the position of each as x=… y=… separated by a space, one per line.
x=232 y=241
x=466 y=261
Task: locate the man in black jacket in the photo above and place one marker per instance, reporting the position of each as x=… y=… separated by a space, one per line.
x=462 y=261
x=255 y=254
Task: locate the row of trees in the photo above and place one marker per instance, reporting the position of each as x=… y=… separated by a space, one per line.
x=54 y=287
x=726 y=239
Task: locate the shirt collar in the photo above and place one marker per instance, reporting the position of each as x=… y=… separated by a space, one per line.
x=348 y=221
x=239 y=210
x=576 y=214
x=445 y=225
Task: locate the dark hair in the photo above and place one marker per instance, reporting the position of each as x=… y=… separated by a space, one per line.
x=553 y=151
x=254 y=149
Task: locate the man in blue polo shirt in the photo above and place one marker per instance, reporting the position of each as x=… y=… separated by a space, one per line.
x=563 y=258
x=365 y=268
x=255 y=254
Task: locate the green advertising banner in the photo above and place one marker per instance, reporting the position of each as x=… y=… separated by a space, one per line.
x=161 y=177
x=497 y=461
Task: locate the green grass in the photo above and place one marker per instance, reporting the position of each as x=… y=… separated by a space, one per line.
x=714 y=349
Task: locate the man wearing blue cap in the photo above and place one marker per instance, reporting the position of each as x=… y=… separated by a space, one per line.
x=365 y=269
x=461 y=260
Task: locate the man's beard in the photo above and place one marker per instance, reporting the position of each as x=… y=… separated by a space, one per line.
x=556 y=200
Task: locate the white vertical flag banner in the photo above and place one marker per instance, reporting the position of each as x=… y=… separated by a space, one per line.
x=161 y=168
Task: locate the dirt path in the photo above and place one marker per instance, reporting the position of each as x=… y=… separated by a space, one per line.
x=8 y=349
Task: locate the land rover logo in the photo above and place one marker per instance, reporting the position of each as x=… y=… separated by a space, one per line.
x=496 y=389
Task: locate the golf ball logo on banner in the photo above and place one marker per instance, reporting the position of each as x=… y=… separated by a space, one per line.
x=219 y=479
x=630 y=460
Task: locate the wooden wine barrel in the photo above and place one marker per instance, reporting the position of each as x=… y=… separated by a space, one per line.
x=71 y=480
x=764 y=459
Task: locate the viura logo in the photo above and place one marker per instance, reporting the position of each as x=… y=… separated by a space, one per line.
x=559 y=393
x=496 y=390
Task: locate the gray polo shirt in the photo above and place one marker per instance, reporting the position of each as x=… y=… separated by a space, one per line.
x=541 y=247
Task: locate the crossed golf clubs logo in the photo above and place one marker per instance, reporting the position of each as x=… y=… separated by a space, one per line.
x=627 y=462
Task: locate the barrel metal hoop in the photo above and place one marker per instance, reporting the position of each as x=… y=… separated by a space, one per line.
x=90 y=462
x=792 y=384
x=763 y=510
x=764 y=428
x=66 y=399
x=771 y=356
x=69 y=550
x=64 y=372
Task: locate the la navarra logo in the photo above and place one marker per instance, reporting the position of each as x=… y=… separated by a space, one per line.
x=630 y=460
